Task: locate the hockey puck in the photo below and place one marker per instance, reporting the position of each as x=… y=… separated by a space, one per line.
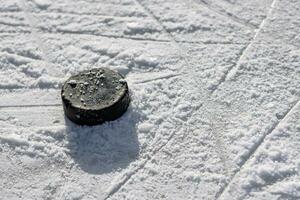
x=95 y=96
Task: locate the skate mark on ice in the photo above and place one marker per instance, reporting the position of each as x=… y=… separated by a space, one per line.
x=12 y=24
x=243 y=52
x=29 y=106
x=103 y=35
x=221 y=149
x=33 y=27
x=232 y=2
x=256 y=146
x=45 y=53
x=28 y=56
x=115 y=187
x=65 y=32
x=223 y=13
x=182 y=52
x=125 y=18
x=158 y=78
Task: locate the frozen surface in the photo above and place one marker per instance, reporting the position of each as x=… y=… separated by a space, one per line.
x=215 y=110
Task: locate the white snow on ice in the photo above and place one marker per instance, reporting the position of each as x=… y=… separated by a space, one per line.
x=215 y=88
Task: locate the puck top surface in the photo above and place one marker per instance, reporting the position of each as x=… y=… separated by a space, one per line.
x=94 y=89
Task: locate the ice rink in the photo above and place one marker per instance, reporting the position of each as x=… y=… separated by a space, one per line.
x=215 y=89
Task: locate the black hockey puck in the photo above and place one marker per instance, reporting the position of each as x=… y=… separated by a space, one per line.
x=95 y=96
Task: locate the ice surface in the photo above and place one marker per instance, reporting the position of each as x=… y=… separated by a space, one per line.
x=215 y=89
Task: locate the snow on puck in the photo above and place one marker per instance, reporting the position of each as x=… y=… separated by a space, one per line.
x=95 y=96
